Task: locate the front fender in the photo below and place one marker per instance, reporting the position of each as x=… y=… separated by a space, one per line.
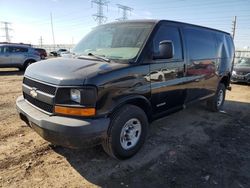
x=138 y=100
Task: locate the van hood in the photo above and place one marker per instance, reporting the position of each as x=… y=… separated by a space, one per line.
x=68 y=71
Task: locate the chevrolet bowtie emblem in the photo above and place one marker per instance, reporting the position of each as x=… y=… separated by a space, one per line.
x=33 y=92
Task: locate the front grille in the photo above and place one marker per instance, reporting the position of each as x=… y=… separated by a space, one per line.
x=240 y=73
x=44 y=106
x=40 y=86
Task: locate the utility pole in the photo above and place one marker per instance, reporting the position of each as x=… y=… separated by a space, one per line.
x=125 y=10
x=7 y=30
x=41 y=41
x=234 y=26
x=52 y=29
x=99 y=16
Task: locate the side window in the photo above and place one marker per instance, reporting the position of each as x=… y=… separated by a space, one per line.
x=230 y=45
x=1 y=49
x=19 y=50
x=10 y=49
x=24 y=50
x=200 y=43
x=7 y=49
x=168 y=33
x=225 y=45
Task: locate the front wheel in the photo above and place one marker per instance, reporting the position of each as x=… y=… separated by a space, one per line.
x=216 y=102
x=127 y=132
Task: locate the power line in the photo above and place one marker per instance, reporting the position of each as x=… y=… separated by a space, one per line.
x=125 y=10
x=7 y=30
x=99 y=16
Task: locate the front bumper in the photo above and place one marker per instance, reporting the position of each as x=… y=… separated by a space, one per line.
x=64 y=131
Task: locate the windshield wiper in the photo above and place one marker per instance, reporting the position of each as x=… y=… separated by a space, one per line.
x=99 y=57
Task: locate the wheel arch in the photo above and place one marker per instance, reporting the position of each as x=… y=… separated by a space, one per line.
x=225 y=79
x=137 y=100
x=29 y=60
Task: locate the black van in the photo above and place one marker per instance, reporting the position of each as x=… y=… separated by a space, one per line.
x=122 y=76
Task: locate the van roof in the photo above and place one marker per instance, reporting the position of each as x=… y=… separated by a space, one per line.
x=158 y=21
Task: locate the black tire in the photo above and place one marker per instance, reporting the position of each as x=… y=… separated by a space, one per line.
x=21 y=69
x=26 y=64
x=160 y=78
x=213 y=103
x=112 y=143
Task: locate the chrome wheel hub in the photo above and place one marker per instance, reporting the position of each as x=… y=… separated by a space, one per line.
x=130 y=133
x=220 y=98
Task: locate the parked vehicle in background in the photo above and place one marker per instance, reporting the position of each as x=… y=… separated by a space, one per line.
x=17 y=55
x=42 y=52
x=155 y=75
x=58 y=52
x=241 y=71
x=67 y=55
x=53 y=53
x=124 y=75
x=64 y=54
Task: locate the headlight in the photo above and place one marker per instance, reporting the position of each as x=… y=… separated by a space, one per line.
x=77 y=101
x=75 y=95
x=233 y=72
x=83 y=96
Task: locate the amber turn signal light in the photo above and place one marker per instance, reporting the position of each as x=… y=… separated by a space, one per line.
x=75 y=111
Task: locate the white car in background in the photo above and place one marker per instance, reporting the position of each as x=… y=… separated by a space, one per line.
x=155 y=76
x=64 y=54
x=59 y=52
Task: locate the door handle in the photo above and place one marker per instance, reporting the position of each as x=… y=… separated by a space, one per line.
x=197 y=80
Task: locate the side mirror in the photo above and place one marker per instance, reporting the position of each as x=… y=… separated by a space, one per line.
x=166 y=50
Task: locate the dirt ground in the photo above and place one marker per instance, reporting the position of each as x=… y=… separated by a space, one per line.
x=191 y=148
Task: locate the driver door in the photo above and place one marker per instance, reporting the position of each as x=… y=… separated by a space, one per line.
x=167 y=80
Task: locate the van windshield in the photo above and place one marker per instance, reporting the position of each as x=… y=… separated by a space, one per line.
x=120 y=41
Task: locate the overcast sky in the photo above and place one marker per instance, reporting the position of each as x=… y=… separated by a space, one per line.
x=30 y=19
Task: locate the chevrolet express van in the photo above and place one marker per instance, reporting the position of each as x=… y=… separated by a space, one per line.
x=124 y=75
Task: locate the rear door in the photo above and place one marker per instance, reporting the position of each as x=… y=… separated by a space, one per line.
x=18 y=55
x=167 y=75
x=202 y=62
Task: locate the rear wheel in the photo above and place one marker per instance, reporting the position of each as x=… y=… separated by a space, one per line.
x=160 y=78
x=216 y=102
x=26 y=64
x=127 y=132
